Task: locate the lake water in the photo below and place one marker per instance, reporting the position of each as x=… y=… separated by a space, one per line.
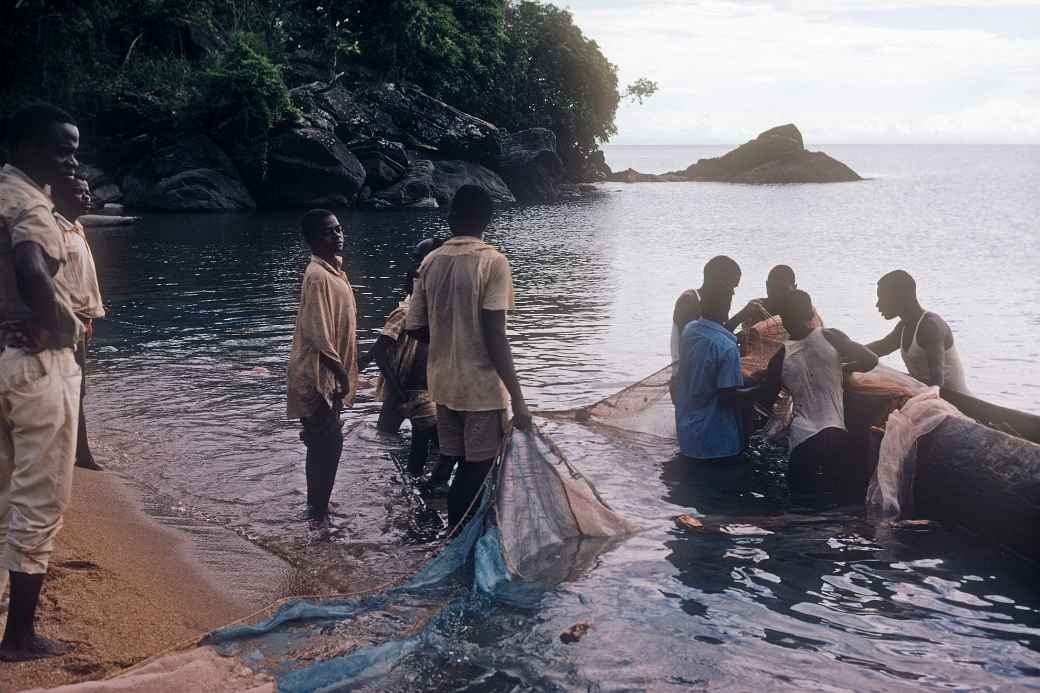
x=187 y=400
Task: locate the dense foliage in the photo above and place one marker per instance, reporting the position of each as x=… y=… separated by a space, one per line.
x=153 y=65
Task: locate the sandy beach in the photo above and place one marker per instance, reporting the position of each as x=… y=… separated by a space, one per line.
x=124 y=587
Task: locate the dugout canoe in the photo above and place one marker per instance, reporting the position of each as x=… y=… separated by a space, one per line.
x=100 y=220
x=982 y=472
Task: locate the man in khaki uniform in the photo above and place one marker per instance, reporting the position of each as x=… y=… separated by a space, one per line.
x=323 y=373
x=459 y=305
x=72 y=199
x=39 y=376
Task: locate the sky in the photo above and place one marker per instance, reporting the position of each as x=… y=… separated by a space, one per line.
x=844 y=71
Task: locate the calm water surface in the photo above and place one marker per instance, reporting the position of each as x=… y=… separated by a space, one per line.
x=187 y=400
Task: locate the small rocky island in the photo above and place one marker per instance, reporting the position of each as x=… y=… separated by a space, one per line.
x=776 y=156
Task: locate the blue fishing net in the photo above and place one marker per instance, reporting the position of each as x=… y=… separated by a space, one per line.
x=538 y=523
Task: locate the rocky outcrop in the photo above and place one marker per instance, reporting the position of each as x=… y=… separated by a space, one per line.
x=192 y=174
x=414 y=188
x=530 y=165
x=307 y=167
x=398 y=113
x=776 y=156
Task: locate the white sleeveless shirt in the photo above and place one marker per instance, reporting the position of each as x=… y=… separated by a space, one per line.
x=812 y=374
x=916 y=360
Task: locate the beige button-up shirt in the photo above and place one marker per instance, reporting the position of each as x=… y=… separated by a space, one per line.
x=456 y=282
x=79 y=275
x=326 y=323
x=27 y=214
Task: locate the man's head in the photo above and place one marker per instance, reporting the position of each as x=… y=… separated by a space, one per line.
x=896 y=293
x=796 y=311
x=722 y=271
x=323 y=232
x=470 y=211
x=419 y=253
x=780 y=282
x=716 y=300
x=42 y=141
x=72 y=197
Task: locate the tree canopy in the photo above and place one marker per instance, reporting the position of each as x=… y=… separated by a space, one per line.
x=184 y=64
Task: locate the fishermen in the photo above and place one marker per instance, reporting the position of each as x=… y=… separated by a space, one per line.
x=762 y=331
x=811 y=366
x=927 y=347
x=720 y=270
x=709 y=399
x=459 y=306
x=39 y=376
x=323 y=374
x=72 y=199
x=402 y=362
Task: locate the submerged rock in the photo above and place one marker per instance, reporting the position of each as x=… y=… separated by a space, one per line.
x=776 y=156
x=192 y=174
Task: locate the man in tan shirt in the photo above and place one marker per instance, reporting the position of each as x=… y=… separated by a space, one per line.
x=39 y=376
x=459 y=305
x=323 y=373
x=72 y=199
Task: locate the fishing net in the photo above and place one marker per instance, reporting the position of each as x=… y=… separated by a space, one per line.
x=539 y=522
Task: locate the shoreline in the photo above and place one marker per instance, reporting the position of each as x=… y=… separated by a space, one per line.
x=125 y=586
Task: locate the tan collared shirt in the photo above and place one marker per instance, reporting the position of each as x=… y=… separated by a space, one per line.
x=27 y=214
x=326 y=323
x=78 y=274
x=456 y=282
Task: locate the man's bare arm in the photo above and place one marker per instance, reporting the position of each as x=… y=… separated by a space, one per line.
x=493 y=325
x=855 y=358
x=932 y=338
x=887 y=344
x=36 y=288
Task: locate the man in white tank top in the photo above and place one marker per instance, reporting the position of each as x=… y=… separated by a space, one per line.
x=923 y=338
x=811 y=366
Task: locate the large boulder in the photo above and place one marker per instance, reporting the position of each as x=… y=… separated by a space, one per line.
x=439 y=180
x=405 y=114
x=449 y=176
x=307 y=167
x=192 y=174
x=530 y=165
x=385 y=162
x=778 y=155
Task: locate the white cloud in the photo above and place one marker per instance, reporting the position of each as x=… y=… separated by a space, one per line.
x=727 y=70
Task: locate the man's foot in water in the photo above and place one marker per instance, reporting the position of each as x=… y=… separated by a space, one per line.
x=34 y=647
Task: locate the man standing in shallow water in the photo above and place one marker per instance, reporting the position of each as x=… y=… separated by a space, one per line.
x=927 y=346
x=323 y=373
x=39 y=376
x=459 y=306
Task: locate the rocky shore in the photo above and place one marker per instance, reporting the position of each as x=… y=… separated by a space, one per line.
x=378 y=145
x=777 y=156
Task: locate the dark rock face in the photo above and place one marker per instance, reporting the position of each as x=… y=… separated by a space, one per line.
x=402 y=114
x=385 y=162
x=426 y=180
x=307 y=167
x=530 y=166
x=776 y=156
x=449 y=176
x=192 y=174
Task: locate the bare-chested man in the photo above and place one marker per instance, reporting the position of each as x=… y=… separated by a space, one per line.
x=923 y=337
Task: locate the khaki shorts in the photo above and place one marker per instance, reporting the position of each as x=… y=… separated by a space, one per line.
x=472 y=435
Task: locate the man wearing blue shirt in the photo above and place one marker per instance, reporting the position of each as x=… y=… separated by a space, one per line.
x=708 y=398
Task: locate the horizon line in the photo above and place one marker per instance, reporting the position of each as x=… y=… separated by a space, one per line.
x=828 y=144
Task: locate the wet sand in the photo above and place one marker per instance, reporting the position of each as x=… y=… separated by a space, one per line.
x=124 y=587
